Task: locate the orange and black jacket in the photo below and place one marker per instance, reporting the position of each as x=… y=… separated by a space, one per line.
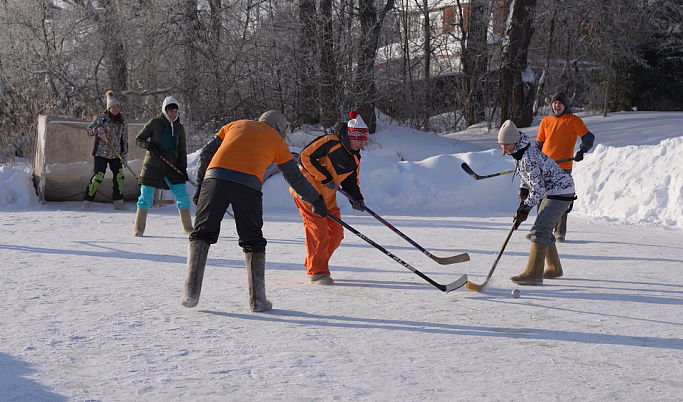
x=330 y=158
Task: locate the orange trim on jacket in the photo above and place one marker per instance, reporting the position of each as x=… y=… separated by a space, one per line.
x=327 y=159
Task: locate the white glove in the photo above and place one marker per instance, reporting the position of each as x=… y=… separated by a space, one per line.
x=100 y=132
x=125 y=159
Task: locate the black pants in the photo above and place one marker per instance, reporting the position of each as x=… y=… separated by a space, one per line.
x=247 y=203
x=98 y=175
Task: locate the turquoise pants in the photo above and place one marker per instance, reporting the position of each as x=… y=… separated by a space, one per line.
x=182 y=199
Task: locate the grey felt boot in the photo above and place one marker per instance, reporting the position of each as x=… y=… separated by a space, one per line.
x=197 y=252
x=256 y=276
x=140 y=222
x=186 y=220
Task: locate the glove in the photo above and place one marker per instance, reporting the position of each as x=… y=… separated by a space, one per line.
x=100 y=132
x=195 y=198
x=125 y=159
x=330 y=184
x=319 y=207
x=358 y=205
x=579 y=156
x=521 y=214
x=185 y=176
x=154 y=150
x=523 y=194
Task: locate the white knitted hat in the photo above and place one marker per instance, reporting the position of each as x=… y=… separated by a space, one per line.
x=508 y=134
x=356 y=127
x=111 y=101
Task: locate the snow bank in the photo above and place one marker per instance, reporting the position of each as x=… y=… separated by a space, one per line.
x=16 y=189
x=633 y=184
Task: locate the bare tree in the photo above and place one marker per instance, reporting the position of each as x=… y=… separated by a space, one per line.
x=365 y=90
x=516 y=85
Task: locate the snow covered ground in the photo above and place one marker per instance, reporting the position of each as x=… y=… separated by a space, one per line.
x=91 y=313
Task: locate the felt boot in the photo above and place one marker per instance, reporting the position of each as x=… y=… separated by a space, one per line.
x=140 y=222
x=256 y=276
x=186 y=220
x=118 y=205
x=552 y=259
x=321 y=279
x=197 y=251
x=86 y=205
x=533 y=275
x=561 y=228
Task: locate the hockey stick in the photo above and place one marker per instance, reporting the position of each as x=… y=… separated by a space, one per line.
x=441 y=260
x=478 y=288
x=188 y=179
x=119 y=155
x=444 y=288
x=475 y=176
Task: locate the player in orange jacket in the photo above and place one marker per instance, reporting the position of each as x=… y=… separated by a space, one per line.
x=329 y=161
x=557 y=136
x=230 y=172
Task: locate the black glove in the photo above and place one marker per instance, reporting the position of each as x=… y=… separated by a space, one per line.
x=523 y=194
x=185 y=176
x=358 y=205
x=521 y=214
x=319 y=207
x=330 y=184
x=579 y=156
x=195 y=198
x=154 y=150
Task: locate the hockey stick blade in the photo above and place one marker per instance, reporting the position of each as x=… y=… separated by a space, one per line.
x=475 y=176
x=478 y=288
x=474 y=287
x=456 y=284
x=464 y=257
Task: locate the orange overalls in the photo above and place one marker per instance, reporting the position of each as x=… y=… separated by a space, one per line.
x=327 y=159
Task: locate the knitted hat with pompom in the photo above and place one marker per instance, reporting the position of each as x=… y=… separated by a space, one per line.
x=111 y=101
x=356 y=127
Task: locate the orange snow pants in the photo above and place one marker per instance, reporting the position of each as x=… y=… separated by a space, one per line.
x=323 y=236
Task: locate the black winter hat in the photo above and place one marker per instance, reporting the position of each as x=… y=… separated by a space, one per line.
x=559 y=97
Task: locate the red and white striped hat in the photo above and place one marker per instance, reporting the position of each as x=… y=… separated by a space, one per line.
x=356 y=127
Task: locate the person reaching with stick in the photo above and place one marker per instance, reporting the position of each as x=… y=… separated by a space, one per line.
x=545 y=184
x=330 y=161
x=230 y=171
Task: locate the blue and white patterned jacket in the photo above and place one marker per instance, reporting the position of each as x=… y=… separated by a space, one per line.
x=540 y=174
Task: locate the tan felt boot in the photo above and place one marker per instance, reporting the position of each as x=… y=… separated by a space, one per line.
x=533 y=275
x=552 y=259
x=321 y=279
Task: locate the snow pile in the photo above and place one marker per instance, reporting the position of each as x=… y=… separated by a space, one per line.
x=16 y=189
x=634 y=184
